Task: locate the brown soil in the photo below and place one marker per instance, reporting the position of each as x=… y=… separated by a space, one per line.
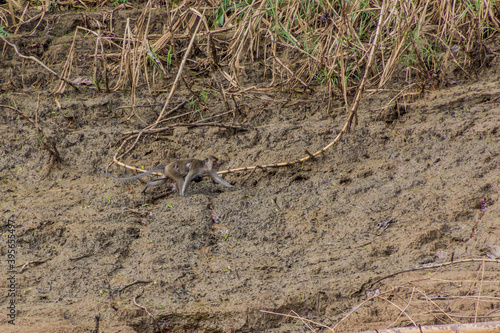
x=298 y=240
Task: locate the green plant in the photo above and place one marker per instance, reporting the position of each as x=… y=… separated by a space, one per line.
x=169 y=57
x=3 y=32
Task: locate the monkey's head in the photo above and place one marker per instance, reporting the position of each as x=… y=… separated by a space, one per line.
x=211 y=161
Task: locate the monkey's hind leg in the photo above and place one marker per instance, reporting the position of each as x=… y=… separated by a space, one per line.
x=172 y=172
x=154 y=182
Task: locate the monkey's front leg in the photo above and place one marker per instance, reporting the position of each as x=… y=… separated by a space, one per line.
x=219 y=179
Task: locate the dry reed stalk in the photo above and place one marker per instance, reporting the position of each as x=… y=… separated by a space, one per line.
x=402 y=29
x=35 y=29
x=68 y=65
x=402 y=311
x=358 y=306
x=179 y=72
x=444 y=311
x=243 y=34
x=352 y=116
x=162 y=114
x=4 y=18
x=293 y=74
x=428 y=267
x=162 y=42
x=102 y=56
x=95 y=63
x=142 y=32
x=124 y=57
x=343 y=78
x=314 y=29
x=436 y=306
x=11 y=11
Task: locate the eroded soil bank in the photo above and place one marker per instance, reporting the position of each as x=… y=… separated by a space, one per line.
x=308 y=239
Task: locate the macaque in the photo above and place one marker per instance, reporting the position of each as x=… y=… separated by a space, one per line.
x=183 y=172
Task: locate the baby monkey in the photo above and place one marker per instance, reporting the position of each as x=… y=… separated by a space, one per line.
x=183 y=172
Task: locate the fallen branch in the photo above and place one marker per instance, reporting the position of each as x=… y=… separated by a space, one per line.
x=48 y=144
x=37 y=262
x=140 y=306
x=493 y=326
x=352 y=116
x=119 y=290
x=297 y=317
x=370 y=285
x=158 y=130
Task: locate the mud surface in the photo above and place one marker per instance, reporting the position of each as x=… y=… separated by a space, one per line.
x=408 y=187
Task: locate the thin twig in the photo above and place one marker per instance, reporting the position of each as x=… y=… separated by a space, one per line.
x=47 y=143
x=119 y=290
x=353 y=309
x=480 y=290
x=137 y=106
x=241 y=128
x=404 y=310
x=140 y=306
x=400 y=309
x=214 y=124
x=370 y=285
x=92 y=252
x=161 y=195
x=251 y=173
x=40 y=63
x=441 y=310
x=298 y=317
x=33 y=262
x=486 y=327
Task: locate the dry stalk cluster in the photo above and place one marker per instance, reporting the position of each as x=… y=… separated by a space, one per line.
x=457 y=301
x=299 y=45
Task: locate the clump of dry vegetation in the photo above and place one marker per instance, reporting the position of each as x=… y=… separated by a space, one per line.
x=301 y=44
x=335 y=47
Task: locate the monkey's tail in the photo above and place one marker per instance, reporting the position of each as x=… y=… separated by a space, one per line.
x=144 y=173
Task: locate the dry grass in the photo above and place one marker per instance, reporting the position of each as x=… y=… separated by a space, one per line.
x=335 y=47
x=442 y=294
x=298 y=44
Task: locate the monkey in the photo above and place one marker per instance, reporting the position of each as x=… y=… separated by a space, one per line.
x=154 y=182
x=196 y=168
x=182 y=172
